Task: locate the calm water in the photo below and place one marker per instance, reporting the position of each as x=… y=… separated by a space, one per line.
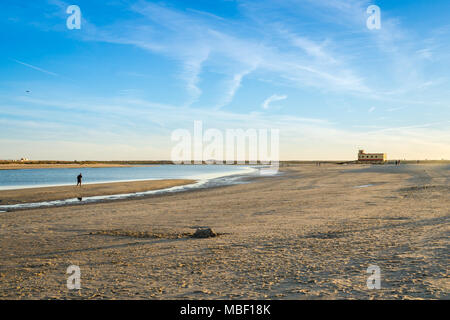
x=29 y=178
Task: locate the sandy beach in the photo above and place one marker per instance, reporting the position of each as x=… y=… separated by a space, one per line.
x=310 y=233
x=28 y=195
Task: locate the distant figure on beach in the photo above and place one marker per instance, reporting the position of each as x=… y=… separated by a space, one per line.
x=79 y=177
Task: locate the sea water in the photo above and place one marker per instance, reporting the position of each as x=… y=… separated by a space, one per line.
x=204 y=176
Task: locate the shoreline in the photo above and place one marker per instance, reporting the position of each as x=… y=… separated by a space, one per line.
x=40 y=197
x=127 y=190
x=61 y=193
x=38 y=186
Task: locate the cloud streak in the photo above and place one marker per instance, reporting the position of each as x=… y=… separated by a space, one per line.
x=36 y=68
x=266 y=104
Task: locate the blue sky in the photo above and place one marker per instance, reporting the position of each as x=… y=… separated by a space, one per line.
x=137 y=70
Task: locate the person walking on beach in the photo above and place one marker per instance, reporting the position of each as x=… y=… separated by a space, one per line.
x=79 y=177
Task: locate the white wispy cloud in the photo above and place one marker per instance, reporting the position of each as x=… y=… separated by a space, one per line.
x=310 y=47
x=233 y=85
x=35 y=68
x=426 y=53
x=192 y=67
x=266 y=104
x=208 y=14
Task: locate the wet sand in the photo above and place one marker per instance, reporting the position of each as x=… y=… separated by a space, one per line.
x=29 y=195
x=308 y=234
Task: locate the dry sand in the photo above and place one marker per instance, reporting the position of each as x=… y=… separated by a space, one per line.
x=309 y=234
x=28 y=195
